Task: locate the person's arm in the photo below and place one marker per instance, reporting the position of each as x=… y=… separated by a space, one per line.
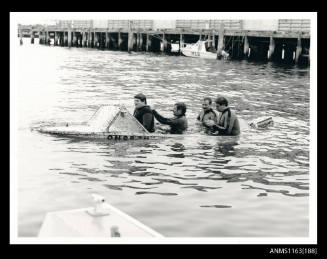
x=224 y=127
x=147 y=119
x=162 y=119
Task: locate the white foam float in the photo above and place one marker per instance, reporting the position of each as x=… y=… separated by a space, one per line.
x=262 y=122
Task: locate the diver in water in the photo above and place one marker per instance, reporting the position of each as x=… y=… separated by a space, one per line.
x=143 y=112
x=228 y=124
x=178 y=124
x=207 y=114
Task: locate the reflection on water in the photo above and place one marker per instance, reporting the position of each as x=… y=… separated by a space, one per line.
x=186 y=186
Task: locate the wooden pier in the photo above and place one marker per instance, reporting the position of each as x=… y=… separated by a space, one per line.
x=240 y=44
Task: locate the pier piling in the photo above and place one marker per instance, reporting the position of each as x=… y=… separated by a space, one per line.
x=65 y=39
x=74 y=39
x=120 y=40
x=148 y=42
x=141 y=42
x=164 y=43
x=20 y=37
x=214 y=40
x=55 y=39
x=138 y=41
x=220 y=41
x=46 y=37
x=107 y=40
x=83 y=39
x=40 y=38
x=246 y=49
x=69 y=38
x=210 y=39
x=96 y=39
x=181 y=42
x=89 y=39
x=32 y=37
x=271 y=48
x=298 y=49
x=130 y=41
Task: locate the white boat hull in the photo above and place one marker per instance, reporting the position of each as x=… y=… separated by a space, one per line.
x=112 y=136
x=198 y=54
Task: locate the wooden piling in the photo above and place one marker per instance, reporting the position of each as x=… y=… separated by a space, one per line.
x=83 y=39
x=55 y=39
x=69 y=38
x=47 y=38
x=141 y=41
x=210 y=40
x=96 y=40
x=246 y=46
x=271 y=48
x=220 y=40
x=120 y=41
x=65 y=38
x=137 y=41
x=44 y=38
x=148 y=42
x=20 y=37
x=298 y=49
x=130 y=41
x=107 y=40
x=89 y=37
x=74 y=39
x=32 y=37
x=39 y=36
x=40 y=39
x=164 y=43
x=181 y=42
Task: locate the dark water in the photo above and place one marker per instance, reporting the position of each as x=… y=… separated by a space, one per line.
x=183 y=187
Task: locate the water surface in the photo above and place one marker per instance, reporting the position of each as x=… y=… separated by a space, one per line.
x=183 y=187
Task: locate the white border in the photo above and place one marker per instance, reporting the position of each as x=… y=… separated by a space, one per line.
x=24 y=17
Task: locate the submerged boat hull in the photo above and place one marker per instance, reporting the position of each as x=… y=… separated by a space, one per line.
x=110 y=123
x=112 y=136
x=100 y=135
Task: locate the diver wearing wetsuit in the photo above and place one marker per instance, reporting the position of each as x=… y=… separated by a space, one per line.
x=228 y=124
x=178 y=124
x=143 y=112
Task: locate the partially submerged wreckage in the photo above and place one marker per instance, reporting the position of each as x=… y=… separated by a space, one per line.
x=108 y=122
x=117 y=123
